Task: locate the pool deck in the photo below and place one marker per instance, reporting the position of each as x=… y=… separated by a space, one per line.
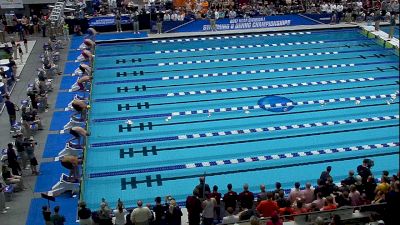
x=383 y=35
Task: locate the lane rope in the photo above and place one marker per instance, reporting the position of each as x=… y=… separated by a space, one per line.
x=244 y=131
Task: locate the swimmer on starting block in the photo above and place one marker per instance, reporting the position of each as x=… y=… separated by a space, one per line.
x=71 y=163
x=80 y=107
x=78 y=132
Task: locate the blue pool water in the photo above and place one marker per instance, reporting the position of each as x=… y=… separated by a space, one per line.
x=240 y=109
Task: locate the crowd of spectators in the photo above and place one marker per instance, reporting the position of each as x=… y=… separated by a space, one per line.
x=208 y=206
x=348 y=11
x=20 y=152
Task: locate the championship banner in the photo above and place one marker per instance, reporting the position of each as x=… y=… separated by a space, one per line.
x=246 y=23
x=106 y=21
x=11 y=4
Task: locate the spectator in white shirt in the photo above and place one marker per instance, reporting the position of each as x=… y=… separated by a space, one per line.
x=230 y=218
x=174 y=16
x=167 y=16
x=141 y=215
x=232 y=14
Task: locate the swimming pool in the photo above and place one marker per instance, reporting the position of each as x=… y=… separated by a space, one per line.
x=254 y=108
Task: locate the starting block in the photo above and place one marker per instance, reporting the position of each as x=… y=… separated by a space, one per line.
x=64 y=185
x=70 y=149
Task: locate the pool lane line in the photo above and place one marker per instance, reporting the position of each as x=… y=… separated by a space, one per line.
x=273 y=78
x=262 y=46
x=247 y=65
x=244 y=131
x=223 y=143
x=367 y=43
x=232 y=109
x=317 y=32
x=247 y=159
x=266 y=78
x=159 y=179
x=252 y=88
x=252 y=58
x=229 y=37
x=265 y=115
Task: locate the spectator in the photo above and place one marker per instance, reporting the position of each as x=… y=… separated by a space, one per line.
x=336 y=220
x=299 y=208
x=104 y=214
x=120 y=213
x=10 y=178
x=11 y=110
x=286 y=209
x=280 y=199
x=313 y=208
x=379 y=198
x=230 y=218
x=325 y=174
x=56 y=218
x=263 y=194
x=174 y=214
x=30 y=151
x=275 y=220
x=159 y=211
x=307 y=194
x=350 y=179
x=230 y=198
x=329 y=204
x=278 y=187
x=21 y=152
x=295 y=193
x=13 y=160
x=141 y=215
x=208 y=206
x=267 y=207
x=246 y=198
x=364 y=170
x=217 y=196
x=84 y=214
x=202 y=187
x=194 y=208
x=368 y=188
x=343 y=199
x=319 y=201
x=383 y=186
x=46 y=215
x=393 y=204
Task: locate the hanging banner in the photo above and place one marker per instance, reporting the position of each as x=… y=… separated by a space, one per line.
x=11 y=4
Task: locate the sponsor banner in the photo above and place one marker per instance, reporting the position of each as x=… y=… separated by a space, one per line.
x=102 y=21
x=247 y=23
x=11 y=4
